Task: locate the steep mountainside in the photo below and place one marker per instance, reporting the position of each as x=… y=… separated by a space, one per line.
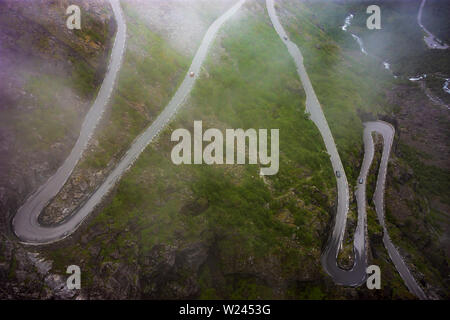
x=221 y=231
x=49 y=77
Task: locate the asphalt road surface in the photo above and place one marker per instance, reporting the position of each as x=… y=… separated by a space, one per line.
x=357 y=275
x=25 y=223
x=28 y=229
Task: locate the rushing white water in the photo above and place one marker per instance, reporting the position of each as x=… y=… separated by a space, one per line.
x=446 y=84
x=360 y=42
x=418 y=78
x=435 y=99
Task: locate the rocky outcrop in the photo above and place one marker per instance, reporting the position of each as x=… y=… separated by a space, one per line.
x=25 y=275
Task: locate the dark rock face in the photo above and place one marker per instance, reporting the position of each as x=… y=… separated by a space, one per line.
x=168 y=272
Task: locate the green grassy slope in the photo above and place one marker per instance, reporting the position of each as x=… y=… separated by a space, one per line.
x=222 y=231
x=251 y=84
x=400 y=41
x=149 y=76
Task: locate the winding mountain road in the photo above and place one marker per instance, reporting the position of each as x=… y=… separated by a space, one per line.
x=357 y=275
x=29 y=231
x=25 y=223
x=387 y=131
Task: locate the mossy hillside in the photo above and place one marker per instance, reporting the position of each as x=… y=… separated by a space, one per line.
x=345 y=84
x=150 y=73
x=261 y=234
x=251 y=84
x=400 y=40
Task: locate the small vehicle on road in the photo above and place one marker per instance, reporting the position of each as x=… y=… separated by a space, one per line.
x=191 y=74
x=338 y=174
x=361 y=180
x=285 y=38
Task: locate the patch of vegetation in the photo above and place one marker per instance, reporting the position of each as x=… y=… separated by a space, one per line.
x=435 y=17
x=150 y=73
x=400 y=40
x=432 y=180
x=345 y=85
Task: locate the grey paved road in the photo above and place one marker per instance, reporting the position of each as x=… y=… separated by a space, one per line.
x=429 y=39
x=388 y=132
x=25 y=223
x=357 y=275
